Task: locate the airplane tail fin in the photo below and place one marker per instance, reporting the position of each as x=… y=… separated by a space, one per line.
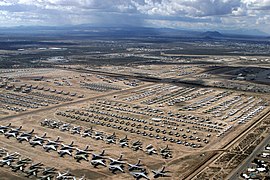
x=57 y=139
x=86 y=148
x=120 y=158
x=9 y=125
x=31 y=131
x=139 y=161
x=163 y=168
x=102 y=153
x=19 y=128
x=44 y=135
x=71 y=144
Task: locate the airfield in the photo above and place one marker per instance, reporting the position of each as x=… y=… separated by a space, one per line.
x=160 y=115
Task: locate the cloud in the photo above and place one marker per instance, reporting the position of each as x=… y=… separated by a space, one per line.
x=172 y=13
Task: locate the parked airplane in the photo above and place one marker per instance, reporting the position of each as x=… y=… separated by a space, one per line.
x=139 y=174
x=136 y=166
x=25 y=136
x=160 y=173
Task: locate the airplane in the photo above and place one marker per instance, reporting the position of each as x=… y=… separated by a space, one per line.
x=150 y=149
x=25 y=136
x=63 y=152
x=65 y=127
x=115 y=167
x=96 y=162
x=85 y=151
x=80 y=157
x=69 y=146
x=160 y=173
x=76 y=130
x=87 y=133
x=49 y=170
x=63 y=176
x=7 y=162
x=31 y=172
x=111 y=139
x=21 y=164
x=98 y=156
x=136 y=166
x=36 y=166
x=38 y=140
x=140 y=174
x=50 y=147
x=55 y=142
x=13 y=132
x=124 y=142
x=116 y=161
x=98 y=135
x=46 y=177
x=3 y=129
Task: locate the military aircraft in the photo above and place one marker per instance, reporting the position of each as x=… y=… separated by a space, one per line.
x=116 y=167
x=32 y=172
x=87 y=133
x=13 y=132
x=21 y=164
x=65 y=175
x=160 y=173
x=51 y=145
x=46 y=177
x=124 y=142
x=166 y=152
x=111 y=139
x=38 y=140
x=139 y=174
x=98 y=159
x=7 y=162
x=25 y=136
x=150 y=149
x=96 y=162
x=66 y=149
x=3 y=129
x=136 y=166
x=116 y=161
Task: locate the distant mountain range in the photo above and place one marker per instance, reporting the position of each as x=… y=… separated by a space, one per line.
x=89 y=31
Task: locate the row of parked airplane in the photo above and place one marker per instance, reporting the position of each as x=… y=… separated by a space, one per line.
x=96 y=160
x=108 y=138
x=25 y=165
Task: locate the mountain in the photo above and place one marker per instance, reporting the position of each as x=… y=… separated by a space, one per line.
x=212 y=34
x=250 y=32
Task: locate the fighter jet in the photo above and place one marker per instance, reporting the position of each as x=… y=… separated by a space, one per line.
x=139 y=174
x=160 y=173
x=137 y=145
x=7 y=162
x=3 y=129
x=76 y=130
x=46 y=177
x=111 y=139
x=32 y=172
x=124 y=142
x=136 y=166
x=150 y=149
x=13 y=132
x=25 y=136
x=87 y=133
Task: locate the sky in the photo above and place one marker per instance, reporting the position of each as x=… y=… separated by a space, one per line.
x=181 y=14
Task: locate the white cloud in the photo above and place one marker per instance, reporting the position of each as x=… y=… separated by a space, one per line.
x=170 y=13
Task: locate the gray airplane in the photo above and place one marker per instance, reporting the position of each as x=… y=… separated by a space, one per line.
x=65 y=175
x=116 y=167
x=98 y=159
x=124 y=142
x=51 y=145
x=38 y=140
x=116 y=161
x=21 y=164
x=82 y=154
x=87 y=133
x=3 y=129
x=139 y=174
x=136 y=166
x=25 y=136
x=160 y=173
x=13 y=132
x=66 y=149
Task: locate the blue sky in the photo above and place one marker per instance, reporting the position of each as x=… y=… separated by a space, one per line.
x=191 y=14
